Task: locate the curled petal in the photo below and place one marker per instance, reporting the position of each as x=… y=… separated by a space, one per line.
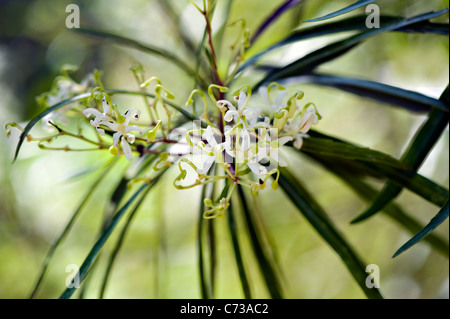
x=209 y=136
x=242 y=100
x=116 y=138
x=133 y=128
x=225 y=104
x=284 y=140
x=133 y=112
x=105 y=105
x=279 y=101
x=229 y=116
x=126 y=149
x=113 y=126
x=91 y=111
x=298 y=143
x=206 y=165
x=257 y=169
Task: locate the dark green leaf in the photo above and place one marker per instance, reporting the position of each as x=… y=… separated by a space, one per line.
x=205 y=288
x=350 y=8
x=264 y=263
x=357 y=23
x=309 y=62
x=409 y=179
x=328 y=147
x=237 y=253
x=142 y=47
x=425 y=139
x=85 y=267
x=317 y=217
x=435 y=222
x=68 y=227
x=120 y=241
x=409 y=100
x=368 y=193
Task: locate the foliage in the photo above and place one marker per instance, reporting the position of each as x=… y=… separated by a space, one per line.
x=241 y=147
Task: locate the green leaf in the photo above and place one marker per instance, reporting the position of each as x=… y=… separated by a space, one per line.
x=142 y=47
x=237 y=253
x=409 y=179
x=434 y=223
x=68 y=227
x=312 y=60
x=205 y=288
x=368 y=193
x=317 y=217
x=425 y=139
x=120 y=240
x=267 y=269
x=329 y=147
x=86 y=266
x=409 y=100
x=350 y=8
x=357 y=23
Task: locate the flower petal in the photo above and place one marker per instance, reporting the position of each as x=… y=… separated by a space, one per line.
x=133 y=128
x=242 y=100
x=91 y=111
x=284 y=140
x=116 y=138
x=126 y=149
x=257 y=169
x=206 y=165
x=105 y=105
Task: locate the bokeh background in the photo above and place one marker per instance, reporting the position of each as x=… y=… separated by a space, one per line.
x=41 y=189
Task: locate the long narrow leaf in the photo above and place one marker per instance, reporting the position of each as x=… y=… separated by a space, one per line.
x=328 y=147
x=425 y=139
x=205 y=289
x=120 y=241
x=409 y=179
x=237 y=253
x=266 y=267
x=285 y=6
x=142 y=47
x=323 y=225
x=357 y=23
x=85 y=267
x=309 y=62
x=68 y=227
x=368 y=193
x=384 y=93
x=434 y=223
x=350 y=8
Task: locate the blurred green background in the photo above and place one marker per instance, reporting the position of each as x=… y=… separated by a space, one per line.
x=39 y=192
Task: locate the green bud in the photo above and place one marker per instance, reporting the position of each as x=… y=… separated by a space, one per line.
x=113 y=150
x=208 y=202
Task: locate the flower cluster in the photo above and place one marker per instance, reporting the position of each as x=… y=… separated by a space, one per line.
x=236 y=145
x=247 y=141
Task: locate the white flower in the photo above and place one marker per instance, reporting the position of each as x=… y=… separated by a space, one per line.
x=309 y=118
x=275 y=145
x=213 y=150
x=99 y=117
x=122 y=129
x=238 y=114
x=251 y=153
